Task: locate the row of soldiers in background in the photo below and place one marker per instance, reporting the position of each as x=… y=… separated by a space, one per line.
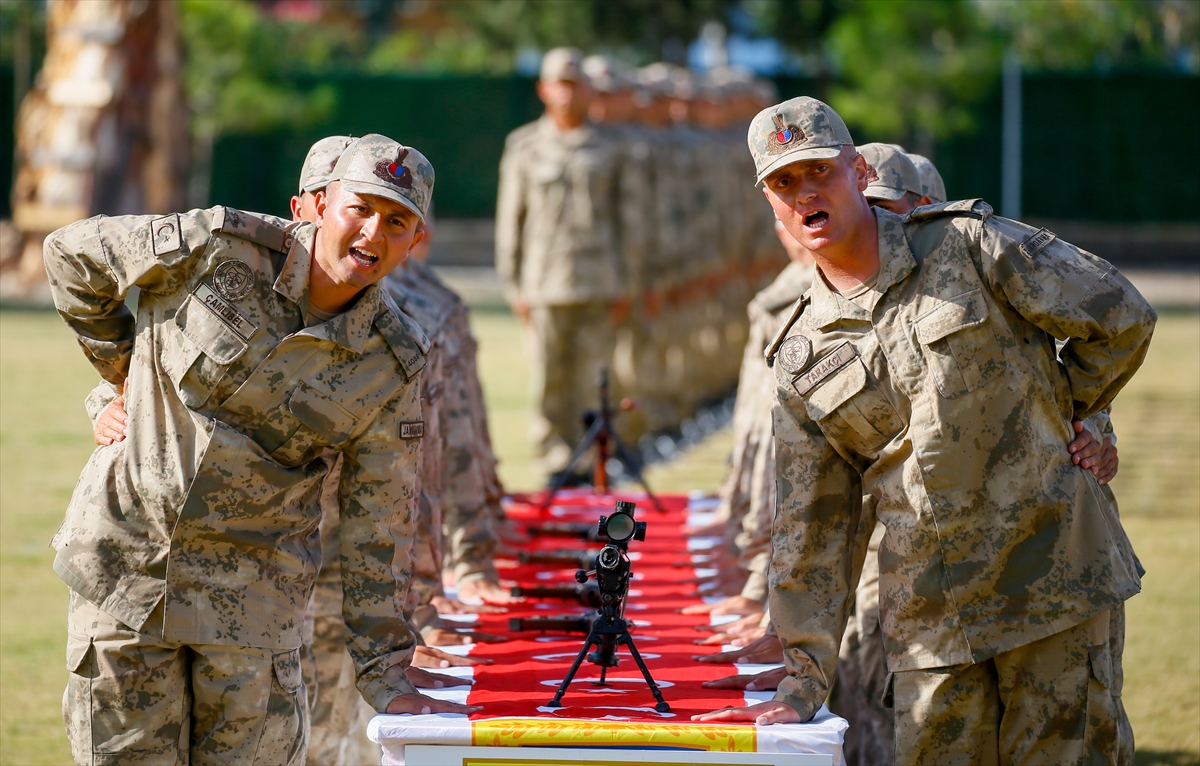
x=899 y=182
x=457 y=497
x=629 y=236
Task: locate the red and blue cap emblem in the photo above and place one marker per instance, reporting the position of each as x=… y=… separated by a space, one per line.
x=394 y=172
x=783 y=135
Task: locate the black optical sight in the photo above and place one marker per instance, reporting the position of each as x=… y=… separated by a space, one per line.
x=620 y=528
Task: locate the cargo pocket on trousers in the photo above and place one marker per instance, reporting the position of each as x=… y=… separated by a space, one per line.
x=284 y=738
x=77 y=699
x=1100 y=731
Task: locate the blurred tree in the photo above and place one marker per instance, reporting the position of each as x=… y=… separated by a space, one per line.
x=486 y=35
x=237 y=77
x=102 y=130
x=912 y=70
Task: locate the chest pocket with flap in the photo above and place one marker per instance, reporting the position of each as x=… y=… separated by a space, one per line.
x=307 y=423
x=960 y=348
x=852 y=410
x=199 y=354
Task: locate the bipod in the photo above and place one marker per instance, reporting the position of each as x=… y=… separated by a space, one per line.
x=608 y=631
x=600 y=433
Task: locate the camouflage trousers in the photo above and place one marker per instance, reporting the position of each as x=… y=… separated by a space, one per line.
x=1048 y=702
x=568 y=346
x=132 y=698
x=861 y=676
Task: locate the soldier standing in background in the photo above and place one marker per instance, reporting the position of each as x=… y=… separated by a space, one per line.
x=962 y=416
x=558 y=251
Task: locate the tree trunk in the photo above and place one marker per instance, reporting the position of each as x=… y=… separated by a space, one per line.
x=104 y=129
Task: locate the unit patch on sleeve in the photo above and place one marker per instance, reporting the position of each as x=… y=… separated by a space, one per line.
x=1037 y=242
x=412 y=429
x=165 y=232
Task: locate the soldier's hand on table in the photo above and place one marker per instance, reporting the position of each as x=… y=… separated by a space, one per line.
x=419 y=704
x=739 y=605
x=762 y=714
x=429 y=657
x=423 y=679
x=767 y=649
x=454 y=606
x=491 y=592
x=443 y=637
x=110 y=426
x=728 y=582
x=766 y=681
x=736 y=635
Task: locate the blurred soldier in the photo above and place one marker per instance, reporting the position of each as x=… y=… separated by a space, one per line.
x=918 y=368
x=189 y=557
x=932 y=185
x=558 y=251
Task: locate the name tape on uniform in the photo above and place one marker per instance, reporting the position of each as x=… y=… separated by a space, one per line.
x=1037 y=242
x=228 y=314
x=412 y=429
x=825 y=367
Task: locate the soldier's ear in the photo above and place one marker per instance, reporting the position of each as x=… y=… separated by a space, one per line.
x=860 y=169
x=320 y=202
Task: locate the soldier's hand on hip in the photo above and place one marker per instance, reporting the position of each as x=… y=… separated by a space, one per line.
x=419 y=704
x=110 y=426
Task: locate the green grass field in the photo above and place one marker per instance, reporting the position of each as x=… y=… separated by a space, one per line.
x=45 y=440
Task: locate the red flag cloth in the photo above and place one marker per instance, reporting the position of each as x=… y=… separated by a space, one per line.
x=529 y=667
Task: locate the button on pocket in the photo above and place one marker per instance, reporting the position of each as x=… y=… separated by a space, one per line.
x=960 y=348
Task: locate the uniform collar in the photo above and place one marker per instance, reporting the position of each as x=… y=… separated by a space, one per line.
x=895 y=262
x=352 y=327
x=292 y=282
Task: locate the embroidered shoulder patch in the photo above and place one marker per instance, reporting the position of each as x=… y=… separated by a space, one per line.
x=825 y=367
x=795 y=354
x=1037 y=242
x=412 y=429
x=166 y=235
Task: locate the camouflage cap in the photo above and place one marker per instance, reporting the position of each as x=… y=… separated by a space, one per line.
x=799 y=129
x=318 y=165
x=606 y=74
x=563 y=64
x=891 y=174
x=932 y=185
x=376 y=164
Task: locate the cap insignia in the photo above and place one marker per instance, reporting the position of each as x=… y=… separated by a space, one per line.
x=872 y=174
x=778 y=140
x=394 y=172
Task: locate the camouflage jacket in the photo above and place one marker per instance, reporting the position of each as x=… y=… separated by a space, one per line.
x=211 y=500
x=945 y=401
x=557 y=215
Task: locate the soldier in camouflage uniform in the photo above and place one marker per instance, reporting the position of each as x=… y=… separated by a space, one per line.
x=558 y=251
x=339 y=716
x=189 y=545
x=921 y=369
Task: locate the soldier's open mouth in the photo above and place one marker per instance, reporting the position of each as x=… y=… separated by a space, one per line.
x=816 y=219
x=362 y=257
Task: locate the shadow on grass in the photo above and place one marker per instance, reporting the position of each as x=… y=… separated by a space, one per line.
x=1165 y=758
